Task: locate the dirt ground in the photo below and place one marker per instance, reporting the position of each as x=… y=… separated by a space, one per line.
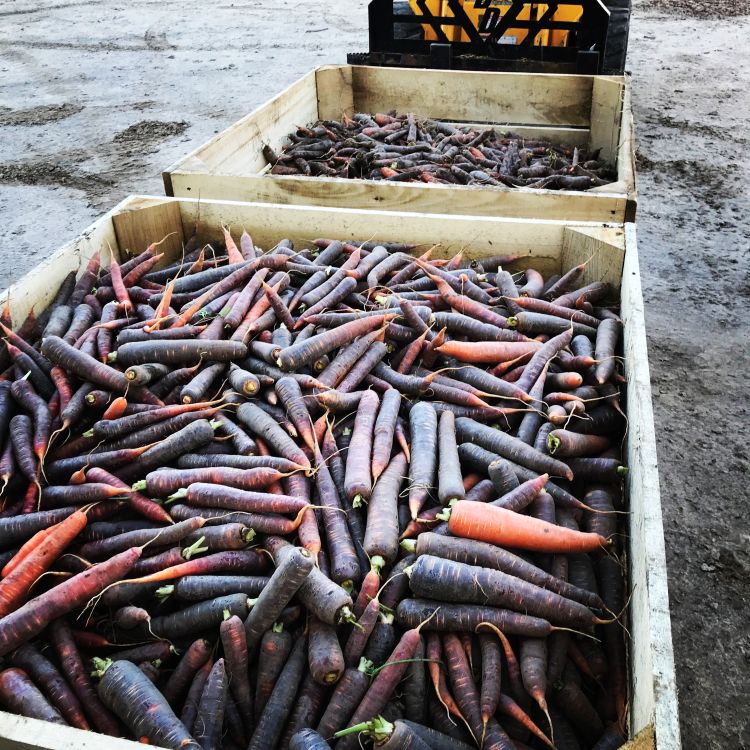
x=98 y=97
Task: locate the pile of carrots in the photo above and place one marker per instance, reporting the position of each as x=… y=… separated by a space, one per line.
x=402 y=148
x=310 y=498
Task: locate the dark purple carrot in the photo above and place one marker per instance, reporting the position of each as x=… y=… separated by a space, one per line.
x=164 y=482
x=207 y=495
x=345 y=698
x=383 y=432
x=345 y=568
x=325 y=657
x=299 y=354
x=323 y=597
x=357 y=640
x=264 y=426
x=178 y=684
x=160 y=537
x=85 y=367
x=415 y=694
x=599 y=469
x=290 y=395
x=138 y=502
x=566 y=443
x=199 y=588
x=199 y=617
x=178 y=352
x=275 y=647
x=26 y=367
x=194 y=693
x=224 y=536
x=200 y=385
x=497 y=558
x=450 y=581
x=423 y=426
x=19 y=694
x=290 y=574
x=510 y=448
x=21 y=436
x=194 y=435
x=366 y=365
x=382 y=530
x=607 y=336
x=240 y=440
x=541 y=357
x=462 y=684
x=243 y=382
x=134 y=698
x=523 y=495
x=450 y=483
x=572 y=701
x=281 y=701
x=234 y=643
x=72 y=665
x=308 y=704
x=347 y=357
x=358 y=478
x=384 y=683
x=491 y=676
x=533 y=663
x=45 y=674
x=230 y=460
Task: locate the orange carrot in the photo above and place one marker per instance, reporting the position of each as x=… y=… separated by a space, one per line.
x=486 y=523
x=490 y=352
x=15 y=586
x=233 y=253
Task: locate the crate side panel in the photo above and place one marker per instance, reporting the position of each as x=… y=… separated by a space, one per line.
x=654 y=691
x=498 y=98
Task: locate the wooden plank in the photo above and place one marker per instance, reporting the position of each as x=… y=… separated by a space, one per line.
x=335 y=96
x=136 y=229
x=522 y=98
x=22 y=733
x=601 y=249
x=606 y=112
x=653 y=698
x=387 y=196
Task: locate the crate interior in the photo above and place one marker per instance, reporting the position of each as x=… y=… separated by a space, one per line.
x=575 y=110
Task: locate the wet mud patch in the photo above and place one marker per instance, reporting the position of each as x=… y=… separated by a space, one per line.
x=41 y=115
x=715 y=180
x=150 y=131
x=46 y=173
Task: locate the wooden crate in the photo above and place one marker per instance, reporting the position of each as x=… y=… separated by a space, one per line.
x=550 y=246
x=577 y=110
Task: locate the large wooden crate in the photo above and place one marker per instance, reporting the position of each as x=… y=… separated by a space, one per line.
x=550 y=246
x=577 y=110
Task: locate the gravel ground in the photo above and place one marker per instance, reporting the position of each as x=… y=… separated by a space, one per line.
x=98 y=97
